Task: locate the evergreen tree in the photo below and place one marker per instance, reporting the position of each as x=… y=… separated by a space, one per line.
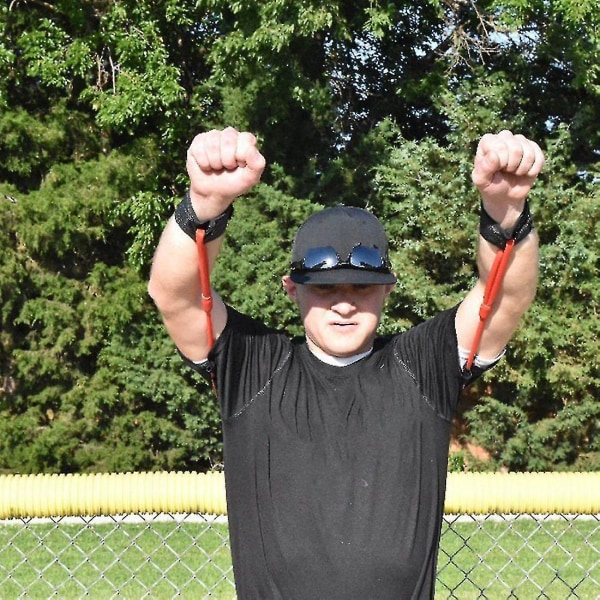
x=376 y=104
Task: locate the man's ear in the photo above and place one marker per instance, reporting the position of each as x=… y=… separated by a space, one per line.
x=291 y=289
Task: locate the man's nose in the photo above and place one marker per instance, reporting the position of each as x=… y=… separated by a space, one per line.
x=343 y=304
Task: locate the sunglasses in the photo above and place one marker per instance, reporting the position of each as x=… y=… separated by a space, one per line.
x=326 y=257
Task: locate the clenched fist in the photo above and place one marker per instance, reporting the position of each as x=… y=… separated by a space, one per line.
x=222 y=165
x=506 y=165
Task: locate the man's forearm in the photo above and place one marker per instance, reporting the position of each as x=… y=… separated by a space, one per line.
x=176 y=290
x=500 y=222
x=520 y=280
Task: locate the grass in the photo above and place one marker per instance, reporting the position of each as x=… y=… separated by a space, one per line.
x=552 y=559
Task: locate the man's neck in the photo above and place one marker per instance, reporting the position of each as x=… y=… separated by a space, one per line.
x=337 y=361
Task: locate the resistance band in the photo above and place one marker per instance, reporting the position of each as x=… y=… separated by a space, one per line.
x=489 y=296
x=204 y=273
x=207 y=301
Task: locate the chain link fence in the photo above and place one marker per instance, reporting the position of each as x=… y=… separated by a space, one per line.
x=187 y=556
x=522 y=556
x=133 y=556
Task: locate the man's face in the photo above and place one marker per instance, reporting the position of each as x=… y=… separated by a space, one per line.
x=339 y=320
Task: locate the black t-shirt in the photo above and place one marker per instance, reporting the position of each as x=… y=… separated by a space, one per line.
x=336 y=475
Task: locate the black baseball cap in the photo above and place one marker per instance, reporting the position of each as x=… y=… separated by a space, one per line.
x=341 y=245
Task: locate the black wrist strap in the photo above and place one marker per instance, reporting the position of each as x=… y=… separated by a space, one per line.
x=491 y=231
x=186 y=218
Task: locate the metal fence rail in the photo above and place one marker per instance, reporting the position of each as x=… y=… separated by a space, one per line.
x=173 y=553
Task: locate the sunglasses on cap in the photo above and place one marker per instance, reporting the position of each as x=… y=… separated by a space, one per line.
x=326 y=257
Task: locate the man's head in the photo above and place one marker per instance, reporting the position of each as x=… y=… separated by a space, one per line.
x=341 y=245
x=340 y=277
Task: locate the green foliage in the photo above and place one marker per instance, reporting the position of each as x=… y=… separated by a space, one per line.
x=375 y=104
x=31 y=144
x=90 y=380
x=422 y=187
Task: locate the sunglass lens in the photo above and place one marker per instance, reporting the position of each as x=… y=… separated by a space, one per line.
x=321 y=258
x=364 y=257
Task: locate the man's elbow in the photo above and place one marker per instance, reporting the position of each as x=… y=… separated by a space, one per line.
x=519 y=301
x=164 y=301
x=154 y=291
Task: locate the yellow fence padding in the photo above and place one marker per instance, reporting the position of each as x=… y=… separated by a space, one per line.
x=509 y=493
x=176 y=492
x=111 y=494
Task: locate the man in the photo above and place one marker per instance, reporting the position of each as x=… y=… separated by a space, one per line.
x=336 y=445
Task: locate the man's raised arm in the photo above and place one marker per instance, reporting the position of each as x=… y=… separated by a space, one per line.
x=505 y=169
x=222 y=165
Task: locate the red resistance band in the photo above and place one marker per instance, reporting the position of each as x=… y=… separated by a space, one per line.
x=489 y=296
x=204 y=273
x=207 y=301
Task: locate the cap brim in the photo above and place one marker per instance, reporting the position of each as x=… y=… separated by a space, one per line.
x=342 y=276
